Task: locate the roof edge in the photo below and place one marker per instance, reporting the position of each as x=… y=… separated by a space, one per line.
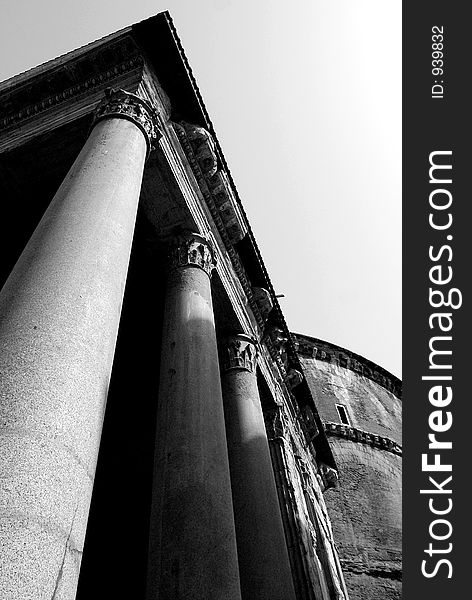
x=329 y=352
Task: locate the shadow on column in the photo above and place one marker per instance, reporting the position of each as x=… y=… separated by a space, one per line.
x=116 y=546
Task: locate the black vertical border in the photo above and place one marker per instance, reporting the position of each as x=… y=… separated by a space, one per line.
x=432 y=124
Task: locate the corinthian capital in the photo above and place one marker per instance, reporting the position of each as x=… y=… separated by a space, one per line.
x=240 y=353
x=124 y=105
x=192 y=250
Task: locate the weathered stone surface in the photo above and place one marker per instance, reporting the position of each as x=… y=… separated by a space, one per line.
x=365 y=508
x=262 y=552
x=192 y=538
x=313 y=555
x=369 y=405
x=331 y=353
x=52 y=438
x=59 y=314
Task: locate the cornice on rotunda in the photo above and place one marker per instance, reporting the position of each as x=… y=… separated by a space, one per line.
x=331 y=353
x=363 y=437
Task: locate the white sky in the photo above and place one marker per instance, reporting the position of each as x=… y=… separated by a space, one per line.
x=305 y=97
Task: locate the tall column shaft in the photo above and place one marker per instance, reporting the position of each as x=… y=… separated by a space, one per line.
x=264 y=567
x=192 y=540
x=59 y=316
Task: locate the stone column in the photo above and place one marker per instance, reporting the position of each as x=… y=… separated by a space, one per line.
x=192 y=538
x=264 y=567
x=59 y=316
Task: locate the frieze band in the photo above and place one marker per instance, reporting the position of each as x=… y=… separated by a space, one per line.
x=330 y=353
x=59 y=95
x=124 y=105
x=364 y=437
x=241 y=353
x=191 y=250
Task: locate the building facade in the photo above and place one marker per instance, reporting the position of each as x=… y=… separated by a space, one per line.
x=360 y=406
x=159 y=438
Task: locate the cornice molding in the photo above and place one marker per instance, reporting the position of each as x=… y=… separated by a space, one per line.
x=215 y=186
x=66 y=89
x=200 y=150
x=50 y=101
x=362 y=437
x=230 y=269
x=228 y=241
x=263 y=300
x=203 y=148
x=330 y=353
x=276 y=341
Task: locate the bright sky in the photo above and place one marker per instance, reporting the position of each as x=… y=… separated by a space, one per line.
x=305 y=97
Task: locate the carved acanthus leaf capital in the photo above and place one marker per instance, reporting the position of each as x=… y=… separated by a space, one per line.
x=192 y=250
x=241 y=353
x=124 y=105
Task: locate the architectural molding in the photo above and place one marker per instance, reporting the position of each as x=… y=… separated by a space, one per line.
x=227 y=234
x=200 y=150
x=225 y=202
x=276 y=423
x=216 y=188
x=329 y=476
x=125 y=105
x=191 y=250
x=87 y=85
x=67 y=97
x=241 y=353
x=362 y=437
x=301 y=480
x=230 y=268
x=277 y=337
x=330 y=353
x=203 y=148
x=276 y=340
x=294 y=378
x=263 y=300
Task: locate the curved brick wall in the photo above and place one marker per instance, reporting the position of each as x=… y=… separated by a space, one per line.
x=365 y=508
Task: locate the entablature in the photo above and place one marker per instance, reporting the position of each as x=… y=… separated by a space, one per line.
x=66 y=89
